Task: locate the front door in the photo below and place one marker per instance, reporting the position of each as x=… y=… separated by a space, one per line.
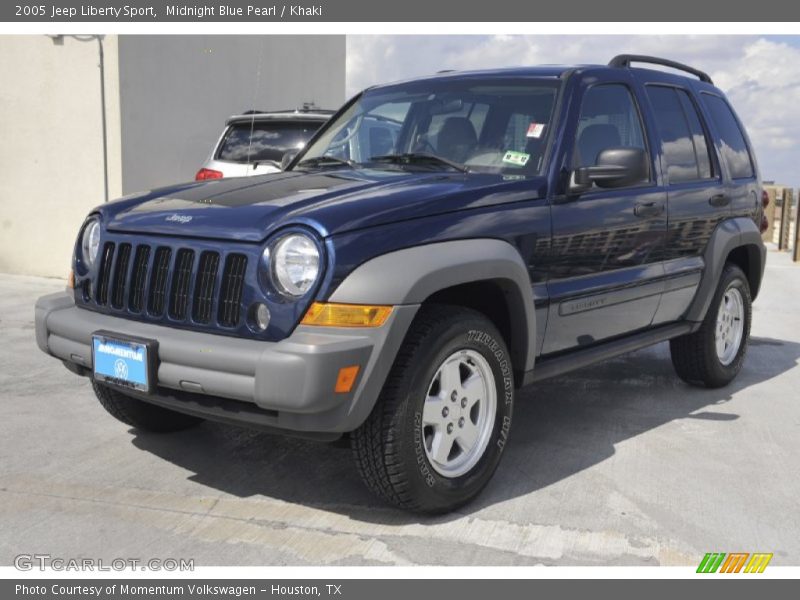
x=605 y=274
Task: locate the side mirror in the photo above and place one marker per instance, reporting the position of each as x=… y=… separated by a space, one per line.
x=614 y=168
x=287 y=157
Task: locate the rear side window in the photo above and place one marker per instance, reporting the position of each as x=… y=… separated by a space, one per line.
x=683 y=142
x=609 y=119
x=269 y=141
x=734 y=149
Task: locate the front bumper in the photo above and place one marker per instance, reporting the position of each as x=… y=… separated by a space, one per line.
x=286 y=385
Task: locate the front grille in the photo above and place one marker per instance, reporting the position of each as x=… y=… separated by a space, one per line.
x=204 y=287
x=181 y=276
x=155 y=280
x=106 y=262
x=231 y=294
x=158 y=282
x=139 y=278
x=120 y=275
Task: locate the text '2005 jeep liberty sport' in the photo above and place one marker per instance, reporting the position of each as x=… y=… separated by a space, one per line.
x=438 y=244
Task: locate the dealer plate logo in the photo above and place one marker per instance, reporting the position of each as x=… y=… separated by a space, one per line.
x=121 y=369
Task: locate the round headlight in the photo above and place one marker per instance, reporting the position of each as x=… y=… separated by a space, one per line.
x=295 y=264
x=90 y=243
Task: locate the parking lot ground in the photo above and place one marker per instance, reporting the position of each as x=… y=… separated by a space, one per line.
x=618 y=464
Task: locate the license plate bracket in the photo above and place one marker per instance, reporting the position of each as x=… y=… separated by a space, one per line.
x=124 y=361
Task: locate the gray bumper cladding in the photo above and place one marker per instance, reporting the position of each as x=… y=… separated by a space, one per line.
x=292 y=380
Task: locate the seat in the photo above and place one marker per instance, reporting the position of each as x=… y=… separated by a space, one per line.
x=457 y=139
x=380 y=141
x=594 y=139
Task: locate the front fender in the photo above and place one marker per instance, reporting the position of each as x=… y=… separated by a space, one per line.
x=412 y=275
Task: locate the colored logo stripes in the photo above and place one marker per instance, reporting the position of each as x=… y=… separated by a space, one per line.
x=735 y=562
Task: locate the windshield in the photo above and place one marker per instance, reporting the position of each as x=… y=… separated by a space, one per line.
x=269 y=142
x=485 y=125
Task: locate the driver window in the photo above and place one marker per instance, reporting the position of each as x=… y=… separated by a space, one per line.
x=608 y=119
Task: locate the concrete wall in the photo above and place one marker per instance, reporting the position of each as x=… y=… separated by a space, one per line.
x=167 y=98
x=177 y=91
x=51 y=156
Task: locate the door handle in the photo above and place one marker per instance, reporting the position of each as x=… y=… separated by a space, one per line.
x=648 y=209
x=719 y=200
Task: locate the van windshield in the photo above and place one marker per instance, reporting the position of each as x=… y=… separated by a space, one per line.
x=472 y=124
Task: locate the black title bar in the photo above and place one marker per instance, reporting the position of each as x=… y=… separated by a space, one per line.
x=144 y=11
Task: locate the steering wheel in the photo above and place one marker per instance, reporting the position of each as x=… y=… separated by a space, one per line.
x=423 y=144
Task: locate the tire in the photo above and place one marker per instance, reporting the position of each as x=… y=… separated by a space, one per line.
x=696 y=357
x=394 y=448
x=142 y=415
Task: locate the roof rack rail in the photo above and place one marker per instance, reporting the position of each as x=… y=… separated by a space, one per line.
x=625 y=60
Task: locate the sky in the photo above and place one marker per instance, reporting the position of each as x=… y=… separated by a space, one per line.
x=759 y=74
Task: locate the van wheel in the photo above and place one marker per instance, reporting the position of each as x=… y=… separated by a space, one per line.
x=140 y=414
x=713 y=355
x=437 y=432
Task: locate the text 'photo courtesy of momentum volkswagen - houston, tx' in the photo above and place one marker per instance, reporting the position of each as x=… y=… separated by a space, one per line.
x=437 y=245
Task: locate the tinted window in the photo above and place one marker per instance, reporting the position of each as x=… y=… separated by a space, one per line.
x=682 y=139
x=269 y=142
x=704 y=164
x=609 y=119
x=734 y=148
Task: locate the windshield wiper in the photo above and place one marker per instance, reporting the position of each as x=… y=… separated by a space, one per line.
x=419 y=157
x=325 y=161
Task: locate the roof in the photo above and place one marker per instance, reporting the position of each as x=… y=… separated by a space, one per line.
x=623 y=61
x=542 y=71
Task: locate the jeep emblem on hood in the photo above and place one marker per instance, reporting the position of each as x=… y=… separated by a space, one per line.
x=179 y=218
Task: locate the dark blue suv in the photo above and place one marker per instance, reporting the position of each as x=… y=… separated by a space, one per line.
x=439 y=244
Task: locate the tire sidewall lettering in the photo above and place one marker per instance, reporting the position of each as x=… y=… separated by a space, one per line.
x=498 y=356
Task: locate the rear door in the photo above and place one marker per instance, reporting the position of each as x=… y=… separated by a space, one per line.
x=605 y=271
x=697 y=196
x=736 y=153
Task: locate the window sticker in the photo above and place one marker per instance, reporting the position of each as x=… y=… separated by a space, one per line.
x=518 y=159
x=535 y=130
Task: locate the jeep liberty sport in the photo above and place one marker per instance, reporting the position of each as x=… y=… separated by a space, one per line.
x=437 y=245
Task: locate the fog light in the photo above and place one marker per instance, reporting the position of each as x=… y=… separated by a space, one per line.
x=261 y=316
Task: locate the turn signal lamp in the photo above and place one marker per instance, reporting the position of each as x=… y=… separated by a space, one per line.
x=323 y=314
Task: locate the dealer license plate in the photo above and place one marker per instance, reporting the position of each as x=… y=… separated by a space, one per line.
x=125 y=363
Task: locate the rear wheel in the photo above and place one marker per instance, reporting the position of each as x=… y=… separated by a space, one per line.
x=713 y=355
x=141 y=415
x=437 y=432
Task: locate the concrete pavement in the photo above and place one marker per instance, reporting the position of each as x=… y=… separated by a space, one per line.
x=620 y=463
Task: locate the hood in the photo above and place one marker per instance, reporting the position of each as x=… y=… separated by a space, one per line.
x=251 y=208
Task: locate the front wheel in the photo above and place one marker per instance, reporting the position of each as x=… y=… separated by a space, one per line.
x=713 y=355
x=438 y=430
x=141 y=414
